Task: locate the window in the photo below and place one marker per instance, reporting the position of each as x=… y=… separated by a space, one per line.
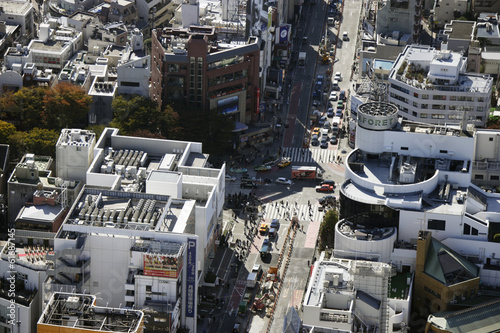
x=438 y=107
x=415 y=95
x=478 y=177
x=406 y=91
x=479 y=108
x=425 y=96
x=423 y=115
x=436 y=224
x=455 y=116
x=480 y=99
x=490 y=139
x=404 y=148
x=443 y=152
x=437 y=116
x=453 y=98
x=466 y=229
x=452 y=107
x=415 y=104
x=439 y=97
x=414 y=114
x=148 y=288
x=129 y=84
x=479 y=118
x=494 y=178
x=425 y=106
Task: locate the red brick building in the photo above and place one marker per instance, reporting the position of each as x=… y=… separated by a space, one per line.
x=193 y=66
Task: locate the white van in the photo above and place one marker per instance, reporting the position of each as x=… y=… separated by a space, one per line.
x=335 y=85
x=345 y=36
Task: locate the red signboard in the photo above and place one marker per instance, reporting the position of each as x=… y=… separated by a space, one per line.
x=160 y=265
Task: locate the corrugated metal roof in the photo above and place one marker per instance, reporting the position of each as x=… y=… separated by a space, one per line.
x=481 y=318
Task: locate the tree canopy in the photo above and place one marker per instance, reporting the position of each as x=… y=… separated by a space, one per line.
x=139 y=116
x=327 y=229
x=65 y=105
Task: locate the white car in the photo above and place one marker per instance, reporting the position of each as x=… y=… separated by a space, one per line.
x=338 y=76
x=230 y=178
x=283 y=181
x=333 y=96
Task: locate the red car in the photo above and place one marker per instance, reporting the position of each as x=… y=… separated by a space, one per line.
x=324 y=188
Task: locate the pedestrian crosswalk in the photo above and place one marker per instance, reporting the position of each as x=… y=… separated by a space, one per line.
x=309 y=155
x=275 y=210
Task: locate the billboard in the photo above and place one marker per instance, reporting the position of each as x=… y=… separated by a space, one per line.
x=161 y=265
x=284 y=33
x=191 y=277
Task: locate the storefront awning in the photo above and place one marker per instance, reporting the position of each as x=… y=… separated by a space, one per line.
x=238 y=127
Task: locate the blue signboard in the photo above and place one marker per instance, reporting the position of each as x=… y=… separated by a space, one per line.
x=191 y=277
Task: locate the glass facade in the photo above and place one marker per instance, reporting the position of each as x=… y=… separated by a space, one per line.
x=368 y=215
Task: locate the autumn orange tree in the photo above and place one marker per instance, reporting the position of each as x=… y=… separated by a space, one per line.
x=65 y=105
x=24 y=107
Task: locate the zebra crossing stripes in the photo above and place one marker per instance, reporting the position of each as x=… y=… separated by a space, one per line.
x=309 y=155
x=273 y=211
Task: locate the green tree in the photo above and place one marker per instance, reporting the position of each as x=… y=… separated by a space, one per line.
x=29 y=102
x=327 y=229
x=7 y=130
x=65 y=105
x=41 y=141
x=137 y=115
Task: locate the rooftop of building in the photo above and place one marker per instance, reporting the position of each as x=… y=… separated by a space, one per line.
x=30 y=256
x=487 y=26
x=77 y=311
x=333 y=282
x=347 y=229
x=82 y=16
x=16 y=7
x=103 y=87
x=175 y=40
x=481 y=318
x=159 y=247
x=76 y=137
x=460 y=29
x=40 y=213
x=382 y=64
x=77 y=71
x=138 y=160
x=447 y=266
x=413 y=68
x=49 y=46
x=18 y=51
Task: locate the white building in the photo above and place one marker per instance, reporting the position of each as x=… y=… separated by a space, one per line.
x=133 y=69
x=355 y=296
x=444 y=10
x=486 y=164
x=431 y=86
x=74 y=153
x=28 y=275
x=55 y=46
x=415 y=176
x=83 y=315
x=19 y=12
x=155 y=212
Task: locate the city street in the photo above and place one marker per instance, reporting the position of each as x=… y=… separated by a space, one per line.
x=283 y=202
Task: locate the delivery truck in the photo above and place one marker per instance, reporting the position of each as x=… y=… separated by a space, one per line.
x=302 y=58
x=251 y=280
x=306 y=172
